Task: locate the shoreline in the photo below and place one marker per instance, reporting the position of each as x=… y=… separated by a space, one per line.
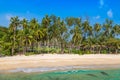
x=48 y=62
x=64 y=68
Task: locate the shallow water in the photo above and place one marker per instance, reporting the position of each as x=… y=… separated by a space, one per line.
x=59 y=68
x=65 y=75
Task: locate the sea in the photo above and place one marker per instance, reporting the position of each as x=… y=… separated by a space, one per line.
x=62 y=73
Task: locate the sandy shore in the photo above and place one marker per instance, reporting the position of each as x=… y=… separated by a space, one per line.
x=55 y=60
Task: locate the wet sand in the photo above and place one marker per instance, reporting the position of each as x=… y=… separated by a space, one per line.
x=59 y=60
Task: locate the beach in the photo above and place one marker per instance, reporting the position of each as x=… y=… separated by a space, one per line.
x=58 y=60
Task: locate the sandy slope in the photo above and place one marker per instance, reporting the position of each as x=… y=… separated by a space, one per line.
x=53 y=60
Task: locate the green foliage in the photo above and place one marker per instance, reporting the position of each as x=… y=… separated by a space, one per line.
x=5 y=48
x=53 y=50
x=33 y=37
x=66 y=51
x=87 y=52
x=29 y=53
x=104 y=51
x=5 y=52
x=77 y=51
x=50 y=50
x=45 y=50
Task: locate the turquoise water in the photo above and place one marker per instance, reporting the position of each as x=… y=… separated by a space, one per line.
x=65 y=75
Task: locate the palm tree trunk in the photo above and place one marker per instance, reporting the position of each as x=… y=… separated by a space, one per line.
x=62 y=48
x=93 y=50
x=13 y=48
x=116 y=51
x=26 y=45
x=37 y=47
x=70 y=48
x=99 y=50
x=12 y=51
x=48 y=45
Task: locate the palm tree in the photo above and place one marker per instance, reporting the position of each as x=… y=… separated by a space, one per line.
x=97 y=30
x=70 y=22
x=24 y=23
x=15 y=22
x=62 y=35
x=116 y=30
x=77 y=37
x=27 y=39
x=90 y=38
x=85 y=27
x=114 y=44
x=54 y=30
x=45 y=25
x=107 y=29
x=34 y=25
x=23 y=35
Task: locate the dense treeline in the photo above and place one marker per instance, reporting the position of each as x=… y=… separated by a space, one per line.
x=55 y=35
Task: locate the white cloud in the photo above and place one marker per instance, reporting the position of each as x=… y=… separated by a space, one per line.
x=21 y=18
x=97 y=17
x=110 y=13
x=101 y=3
x=8 y=16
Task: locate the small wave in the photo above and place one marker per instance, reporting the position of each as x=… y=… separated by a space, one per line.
x=46 y=69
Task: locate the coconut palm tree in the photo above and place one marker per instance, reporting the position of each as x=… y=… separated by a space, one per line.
x=70 y=22
x=97 y=30
x=14 y=23
x=77 y=36
x=107 y=29
x=45 y=25
x=116 y=30
x=33 y=26
x=27 y=39
x=85 y=28
x=114 y=44
x=54 y=30
x=86 y=31
x=62 y=35
x=90 y=38
x=24 y=33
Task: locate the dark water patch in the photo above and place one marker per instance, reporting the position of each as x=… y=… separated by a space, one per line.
x=56 y=78
x=92 y=75
x=104 y=73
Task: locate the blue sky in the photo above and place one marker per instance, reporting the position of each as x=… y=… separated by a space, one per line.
x=96 y=10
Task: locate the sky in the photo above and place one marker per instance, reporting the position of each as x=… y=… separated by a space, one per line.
x=94 y=10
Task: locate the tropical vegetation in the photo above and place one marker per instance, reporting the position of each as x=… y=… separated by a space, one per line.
x=56 y=35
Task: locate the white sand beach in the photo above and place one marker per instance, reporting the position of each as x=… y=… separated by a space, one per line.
x=55 y=60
